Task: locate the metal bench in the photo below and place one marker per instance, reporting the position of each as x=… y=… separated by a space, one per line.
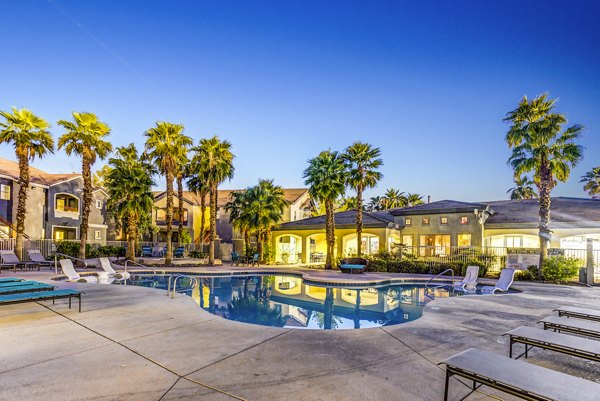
x=41 y=296
x=26 y=288
x=563 y=343
x=518 y=378
x=573 y=326
x=579 y=313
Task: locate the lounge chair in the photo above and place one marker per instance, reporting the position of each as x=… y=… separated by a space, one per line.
x=9 y=258
x=506 y=279
x=235 y=258
x=10 y=280
x=469 y=282
x=67 y=267
x=518 y=378
x=26 y=288
x=179 y=251
x=579 y=313
x=254 y=260
x=41 y=296
x=147 y=251
x=110 y=272
x=573 y=326
x=545 y=339
x=36 y=256
x=18 y=283
x=353 y=265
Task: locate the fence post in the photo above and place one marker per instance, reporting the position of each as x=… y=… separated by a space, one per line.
x=590 y=262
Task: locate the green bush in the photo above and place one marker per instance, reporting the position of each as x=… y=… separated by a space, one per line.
x=385 y=262
x=71 y=248
x=527 y=275
x=560 y=269
x=109 y=250
x=197 y=254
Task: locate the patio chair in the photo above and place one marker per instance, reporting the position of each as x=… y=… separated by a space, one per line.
x=67 y=267
x=36 y=256
x=235 y=258
x=353 y=265
x=522 y=379
x=254 y=260
x=469 y=282
x=33 y=287
x=10 y=280
x=41 y=296
x=506 y=279
x=578 y=313
x=179 y=251
x=572 y=326
x=545 y=339
x=147 y=251
x=9 y=258
x=110 y=272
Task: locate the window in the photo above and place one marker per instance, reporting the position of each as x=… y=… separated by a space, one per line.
x=67 y=203
x=464 y=240
x=97 y=234
x=98 y=204
x=407 y=240
x=514 y=241
x=443 y=220
x=464 y=219
x=434 y=245
x=5 y=192
x=407 y=221
x=425 y=221
x=4 y=231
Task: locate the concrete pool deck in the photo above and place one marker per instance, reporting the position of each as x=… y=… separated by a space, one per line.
x=134 y=343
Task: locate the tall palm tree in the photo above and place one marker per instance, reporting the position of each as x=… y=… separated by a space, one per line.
x=30 y=137
x=165 y=145
x=414 y=199
x=214 y=161
x=182 y=169
x=265 y=205
x=129 y=184
x=238 y=208
x=592 y=181
x=523 y=189
x=198 y=185
x=346 y=203
x=363 y=162
x=374 y=203
x=85 y=137
x=326 y=177
x=541 y=146
x=393 y=198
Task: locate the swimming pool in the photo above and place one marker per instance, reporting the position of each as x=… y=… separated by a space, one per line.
x=287 y=301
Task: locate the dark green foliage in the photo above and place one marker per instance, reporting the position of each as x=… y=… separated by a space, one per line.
x=197 y=254
x=109 y=250
x=527 y=275
x=71 y=248
x=560 y=269
x=387 y=262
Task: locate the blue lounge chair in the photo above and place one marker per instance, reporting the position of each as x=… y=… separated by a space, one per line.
x=353 y=265
x=179 y=251
x=147 y=251
x=41 y=296
x=254 y=260
x=235 y=258
x=18 y=283
x=10 y=280
x=26 y=288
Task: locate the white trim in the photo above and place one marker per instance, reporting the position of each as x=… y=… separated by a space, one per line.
x=16 y=181
x=65 y=214
x=97 y=226
x=101 y=190
x=67 y=180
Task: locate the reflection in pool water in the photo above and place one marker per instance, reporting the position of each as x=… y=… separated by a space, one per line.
x=285 y=301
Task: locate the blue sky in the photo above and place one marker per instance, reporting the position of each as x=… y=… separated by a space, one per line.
x=428 y=82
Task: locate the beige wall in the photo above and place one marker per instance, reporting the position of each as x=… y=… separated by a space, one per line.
x=452 y=228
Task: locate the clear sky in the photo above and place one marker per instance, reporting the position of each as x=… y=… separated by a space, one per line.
x=427 y=81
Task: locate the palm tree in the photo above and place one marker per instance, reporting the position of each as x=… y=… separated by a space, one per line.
x=30 y=137
x=265 y=205
x=129 y=183
x=326 y=177
x=414 y=200
x=214 y=162
x=198 y=184
x=540 y=145
x=165 y=145
x=392 y=199
x=84 y=137
x=523 y=189
x=182 y=169
x=363 y=163
x=238 y=216
x=592 y=181
x=374 y=204
x=346 y=203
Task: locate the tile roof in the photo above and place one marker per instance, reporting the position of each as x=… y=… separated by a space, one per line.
x=443 y=206
x=291 y=194
x=345 y=218
x=10 y=169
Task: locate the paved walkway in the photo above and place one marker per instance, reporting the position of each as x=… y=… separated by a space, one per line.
x=133 y=343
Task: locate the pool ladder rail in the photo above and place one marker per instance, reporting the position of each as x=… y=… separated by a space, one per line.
x=427 y=288
x=173 y=280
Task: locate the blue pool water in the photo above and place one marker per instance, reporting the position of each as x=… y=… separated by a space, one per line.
x=286 y=301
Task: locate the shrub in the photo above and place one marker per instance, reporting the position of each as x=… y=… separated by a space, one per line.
x=197 y=254
x=527 y=275
x=560 y=269
x=109 y=250
x=385 y=262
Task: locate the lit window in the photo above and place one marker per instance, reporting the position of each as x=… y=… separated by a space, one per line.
x=464 y=220
x=407 y=221
x=443 y=220
x=407 y=240
x=425 y=221
x=97 y=234
x=514 y=241
x=5 y=192
x=464 y=240
x=98 y=204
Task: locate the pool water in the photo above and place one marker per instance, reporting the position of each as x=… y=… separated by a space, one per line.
x=286 y=301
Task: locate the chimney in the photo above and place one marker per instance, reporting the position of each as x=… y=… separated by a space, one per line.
x=428 y=198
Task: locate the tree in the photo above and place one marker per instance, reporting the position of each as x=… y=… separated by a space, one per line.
x=541 y=146
x=85 y=137
x=393 y=199
x=198 y=185
x=414 y=200
x=523 y=189
x=374 y=204
x=182 y=170
x=326 y=177
x=30 y=137
x=346 y=203
x=363 y=162
x=592 y=181
x=165 y=145
x=99 y=176
x=129 y=184
x=214 y=161
x=237 y=208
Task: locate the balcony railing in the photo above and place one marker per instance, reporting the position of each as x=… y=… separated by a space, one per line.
x=70 y=209
x=175 y=222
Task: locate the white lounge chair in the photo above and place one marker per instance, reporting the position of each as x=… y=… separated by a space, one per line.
x=506 y=279
x=67 y=267
x=469 y=282
x=107 y=267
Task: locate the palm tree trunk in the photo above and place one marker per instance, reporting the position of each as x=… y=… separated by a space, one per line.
x=329 y=233
x=22 y=201
x=213 y=224
x=180 y=205
x=169 y=253
x=202 y=216
x=87 y=202
x=545 y=235
x=246 y=241
x=259 y=244
x=328 y=309
x=359 y=215
x=131 y=237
